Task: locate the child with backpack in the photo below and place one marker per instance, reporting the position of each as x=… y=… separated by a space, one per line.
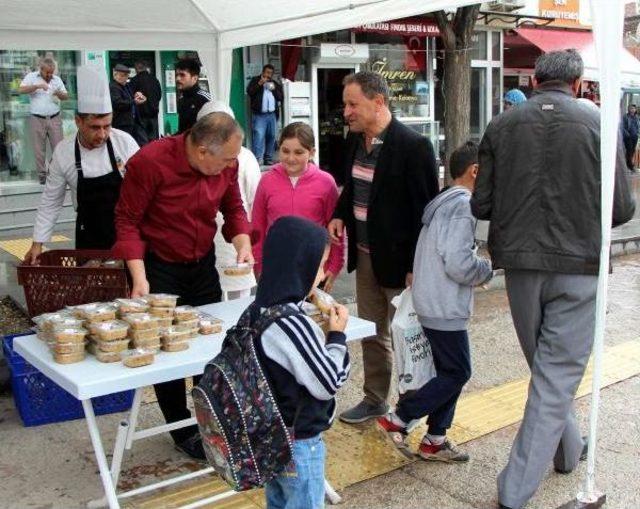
x=446 y=267
x=265 y=399
x=304 y=369
x=296 y=187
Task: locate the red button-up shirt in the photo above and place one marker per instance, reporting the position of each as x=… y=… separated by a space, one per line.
x=168 y=208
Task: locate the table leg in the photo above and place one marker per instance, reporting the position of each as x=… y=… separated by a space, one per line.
x=331 y=494
x=133 y=416
x=103 y=465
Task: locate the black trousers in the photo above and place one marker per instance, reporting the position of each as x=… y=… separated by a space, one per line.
x=150 y=126
x=197 y=284
x=438 y=397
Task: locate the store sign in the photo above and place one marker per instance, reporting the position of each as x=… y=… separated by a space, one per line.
x=344 y=53
x=344 y=50
x=565 y=12
x=407 y=26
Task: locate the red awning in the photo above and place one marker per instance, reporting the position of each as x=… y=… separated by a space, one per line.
x=553 y=40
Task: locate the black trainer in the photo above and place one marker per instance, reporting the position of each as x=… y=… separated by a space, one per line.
x=192 y=446
x=583 y=455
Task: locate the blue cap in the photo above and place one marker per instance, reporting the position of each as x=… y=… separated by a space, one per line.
x=515 y=96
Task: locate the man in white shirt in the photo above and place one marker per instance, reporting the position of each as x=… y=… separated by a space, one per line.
x=45 y=90
x=92 y=164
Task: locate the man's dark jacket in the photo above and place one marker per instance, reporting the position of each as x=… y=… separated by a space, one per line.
x=189 y=104
x=123 y=105
x=539 y=184
x=404 y=181
x=256 y=91
x=149 y=86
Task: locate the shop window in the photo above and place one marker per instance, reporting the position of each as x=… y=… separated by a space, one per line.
x=478 y=102
x=402 y=60
x=479 y=46
x=496 y=53
x=17 y=162
x=496 y=91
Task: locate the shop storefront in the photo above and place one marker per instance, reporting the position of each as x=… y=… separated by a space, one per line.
x=17 y=165
x=407 y=53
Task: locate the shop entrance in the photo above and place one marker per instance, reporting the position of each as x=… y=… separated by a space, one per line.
x=331 y=125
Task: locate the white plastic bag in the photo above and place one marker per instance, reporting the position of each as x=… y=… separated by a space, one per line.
x=411 y=348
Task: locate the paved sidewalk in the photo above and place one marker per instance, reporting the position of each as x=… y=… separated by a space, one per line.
x=53 y=466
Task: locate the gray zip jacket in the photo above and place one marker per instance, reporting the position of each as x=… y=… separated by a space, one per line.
x=446 y=266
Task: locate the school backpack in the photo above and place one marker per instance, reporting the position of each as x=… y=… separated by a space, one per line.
x=243 y=433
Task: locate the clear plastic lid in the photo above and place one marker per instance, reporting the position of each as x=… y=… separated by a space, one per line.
x=174 y=333
x=108 y=326
x=132 y=305
x=310 y=309
x=118 y=345
x=238 y=269
x=113 y=264
x=323 y=300
x=138 y=357
x=162 y=299
x=185 y=312
x=48 y=321
x=62 y=331
x=58 y=347
x=141 y=321
x=94 y=310
x=186 y=324
x=175 y=346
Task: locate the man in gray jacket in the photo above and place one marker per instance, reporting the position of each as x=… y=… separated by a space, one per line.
x=539 y=184
x=445 y=270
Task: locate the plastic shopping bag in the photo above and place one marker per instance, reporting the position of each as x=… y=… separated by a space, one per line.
x=411 y=348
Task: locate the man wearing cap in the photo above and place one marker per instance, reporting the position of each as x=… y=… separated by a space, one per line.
x=124 y=102
x=91 y=163
x=45 y=90
x=165 y=225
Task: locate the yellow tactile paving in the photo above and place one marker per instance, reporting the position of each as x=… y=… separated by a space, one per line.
x=357 y=453
x=20 y=247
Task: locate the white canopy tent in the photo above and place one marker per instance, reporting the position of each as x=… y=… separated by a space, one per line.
x=215 y=27
x=212 y=27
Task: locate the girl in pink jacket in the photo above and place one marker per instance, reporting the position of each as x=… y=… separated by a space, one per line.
x=296 y=187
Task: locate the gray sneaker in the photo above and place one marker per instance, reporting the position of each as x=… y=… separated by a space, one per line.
x=364 y=411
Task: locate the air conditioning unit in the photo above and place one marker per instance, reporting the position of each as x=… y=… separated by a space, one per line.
x=506 y=5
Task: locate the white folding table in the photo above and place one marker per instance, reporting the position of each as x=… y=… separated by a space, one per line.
x=91 y=378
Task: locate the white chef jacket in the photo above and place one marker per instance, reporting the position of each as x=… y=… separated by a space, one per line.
x=248 y=179
x=63 y=173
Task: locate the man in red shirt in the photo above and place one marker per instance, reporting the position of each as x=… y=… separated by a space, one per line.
x=165 y=224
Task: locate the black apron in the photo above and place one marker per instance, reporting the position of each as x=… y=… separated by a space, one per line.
x=97 y=198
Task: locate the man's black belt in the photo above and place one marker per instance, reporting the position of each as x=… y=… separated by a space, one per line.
x=46 y=117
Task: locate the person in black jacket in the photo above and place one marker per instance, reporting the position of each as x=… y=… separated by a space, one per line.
x=124 y=102
x=266 y=95
x=539 y=183
x=192 y=97
x=630 y=128
x=149 y=87
x=390 y=176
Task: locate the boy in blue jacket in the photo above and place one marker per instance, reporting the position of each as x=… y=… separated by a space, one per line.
x=446 y=267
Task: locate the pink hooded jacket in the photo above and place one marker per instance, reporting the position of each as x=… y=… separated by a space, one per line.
x=314 y=197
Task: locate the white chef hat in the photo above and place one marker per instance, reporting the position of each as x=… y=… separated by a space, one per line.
x=214 y=106
x=93 y=91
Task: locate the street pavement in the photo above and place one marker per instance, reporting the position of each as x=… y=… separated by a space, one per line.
x=53 y=466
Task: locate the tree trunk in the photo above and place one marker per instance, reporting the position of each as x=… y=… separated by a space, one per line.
x=456 y=35
x=457 y=96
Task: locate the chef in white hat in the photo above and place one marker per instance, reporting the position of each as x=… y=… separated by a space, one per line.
x=92 y=163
